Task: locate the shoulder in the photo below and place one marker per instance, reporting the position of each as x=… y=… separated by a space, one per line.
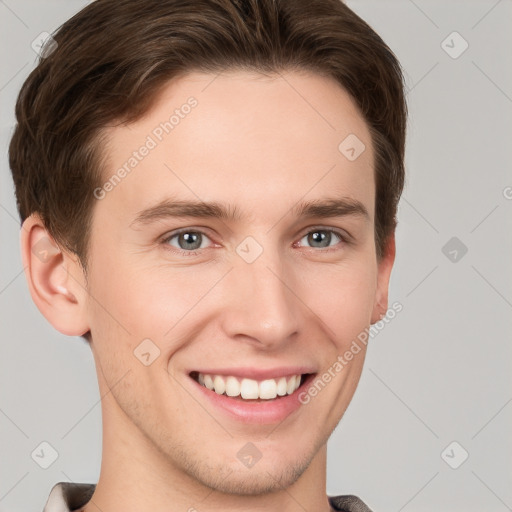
x=348 y=503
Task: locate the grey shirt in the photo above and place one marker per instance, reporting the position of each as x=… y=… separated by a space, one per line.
x=66 y=497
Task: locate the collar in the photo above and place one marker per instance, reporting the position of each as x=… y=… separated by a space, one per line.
x=67 y=496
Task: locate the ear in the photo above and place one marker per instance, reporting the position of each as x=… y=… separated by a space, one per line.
x=55 y=279
x=383 y=274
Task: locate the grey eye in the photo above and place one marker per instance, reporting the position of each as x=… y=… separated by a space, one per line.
x=187 y=240
x=321 y=238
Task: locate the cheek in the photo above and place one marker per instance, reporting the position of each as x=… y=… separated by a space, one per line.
x=343 y=297
x=137 y=300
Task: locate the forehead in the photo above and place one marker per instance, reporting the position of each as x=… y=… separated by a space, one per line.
x=258 y=142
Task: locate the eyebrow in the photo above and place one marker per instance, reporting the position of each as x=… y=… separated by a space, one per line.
x=320 y=208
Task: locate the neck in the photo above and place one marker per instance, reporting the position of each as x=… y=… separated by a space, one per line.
x=136 y=476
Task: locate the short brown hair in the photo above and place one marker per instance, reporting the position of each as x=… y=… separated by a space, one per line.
x=114 y=56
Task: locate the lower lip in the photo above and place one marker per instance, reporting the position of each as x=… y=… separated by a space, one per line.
x=256 y=411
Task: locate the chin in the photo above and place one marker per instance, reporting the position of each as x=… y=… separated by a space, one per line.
x=254 y=481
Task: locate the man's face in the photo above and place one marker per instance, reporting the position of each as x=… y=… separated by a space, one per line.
x=267 y=290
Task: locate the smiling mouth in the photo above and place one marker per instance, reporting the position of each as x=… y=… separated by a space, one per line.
x=244 y=389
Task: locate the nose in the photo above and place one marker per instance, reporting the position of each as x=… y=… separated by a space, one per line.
x=261 y=305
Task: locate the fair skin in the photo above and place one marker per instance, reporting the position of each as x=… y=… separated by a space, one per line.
x=255 y=143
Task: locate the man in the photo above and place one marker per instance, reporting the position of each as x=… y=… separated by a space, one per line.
x=208 y=192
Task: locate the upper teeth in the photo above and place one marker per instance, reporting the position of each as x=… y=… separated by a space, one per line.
x=249 y=388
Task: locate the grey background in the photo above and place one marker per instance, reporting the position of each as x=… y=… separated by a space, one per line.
x=439 y=372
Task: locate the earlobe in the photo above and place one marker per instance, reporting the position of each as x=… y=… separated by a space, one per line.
x=385 y=266
x=50 y=273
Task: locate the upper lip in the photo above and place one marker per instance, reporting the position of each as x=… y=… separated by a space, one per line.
x=256 y=373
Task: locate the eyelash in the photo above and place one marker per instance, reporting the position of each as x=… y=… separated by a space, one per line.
x=165 y=241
